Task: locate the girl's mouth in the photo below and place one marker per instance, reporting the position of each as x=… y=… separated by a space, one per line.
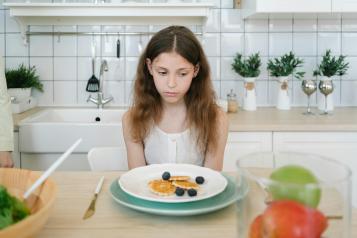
x=170 y=94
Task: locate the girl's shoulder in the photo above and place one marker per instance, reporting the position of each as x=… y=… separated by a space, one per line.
x=126 y=116
x=126 y=119
x=222 y=118
x=221 y=115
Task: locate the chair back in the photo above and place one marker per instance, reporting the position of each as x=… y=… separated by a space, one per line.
x=107 y=158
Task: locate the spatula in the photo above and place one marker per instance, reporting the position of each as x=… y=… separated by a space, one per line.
x=93 y=82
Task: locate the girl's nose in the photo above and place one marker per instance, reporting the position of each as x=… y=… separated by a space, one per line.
x=171 y=83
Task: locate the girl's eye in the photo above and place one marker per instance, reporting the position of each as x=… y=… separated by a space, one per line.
x=162 y=73
x=183 y=74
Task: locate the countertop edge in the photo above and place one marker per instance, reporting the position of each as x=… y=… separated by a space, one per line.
x=266 y=119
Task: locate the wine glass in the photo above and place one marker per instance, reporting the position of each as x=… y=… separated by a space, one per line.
x=308 y=87
x=326 y=87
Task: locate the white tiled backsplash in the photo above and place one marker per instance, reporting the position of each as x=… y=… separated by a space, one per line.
x=64 y=63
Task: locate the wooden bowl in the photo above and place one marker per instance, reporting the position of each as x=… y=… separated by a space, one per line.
x=40 y=202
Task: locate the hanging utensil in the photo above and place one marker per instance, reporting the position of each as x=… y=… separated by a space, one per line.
x=118 y=48
x=140 y=45
x=93 y=82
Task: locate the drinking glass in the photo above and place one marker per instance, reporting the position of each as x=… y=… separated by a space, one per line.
x=285 y=208
x=326 y=87
x=308 y=87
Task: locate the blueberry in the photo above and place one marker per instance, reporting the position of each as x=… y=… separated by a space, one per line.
x=166 y=175
x=200 y=180
x=191 y=192
x=179 y=191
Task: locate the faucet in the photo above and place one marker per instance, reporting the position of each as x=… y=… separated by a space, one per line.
x=100 y=100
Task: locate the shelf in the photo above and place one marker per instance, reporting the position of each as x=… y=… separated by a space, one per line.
x=108 y=14
x=284 y=8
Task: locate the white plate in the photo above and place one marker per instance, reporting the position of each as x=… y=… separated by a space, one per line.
x=135 y=182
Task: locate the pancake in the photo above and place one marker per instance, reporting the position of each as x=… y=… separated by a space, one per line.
x=179 y=178
x=185 y=184
x=162 y=187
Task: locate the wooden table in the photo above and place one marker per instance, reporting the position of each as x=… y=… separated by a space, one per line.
x=75 y=190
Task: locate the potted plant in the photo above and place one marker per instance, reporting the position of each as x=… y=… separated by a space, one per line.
x=20 y=81
x=282 y=68
x=249 y=69
x=330 y=66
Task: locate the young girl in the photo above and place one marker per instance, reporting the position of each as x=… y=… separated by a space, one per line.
x=174 y=117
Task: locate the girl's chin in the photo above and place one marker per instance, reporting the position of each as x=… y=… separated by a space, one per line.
x=173 y=100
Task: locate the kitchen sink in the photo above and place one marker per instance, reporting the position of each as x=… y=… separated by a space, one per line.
x=54 y=130
x=77 y=116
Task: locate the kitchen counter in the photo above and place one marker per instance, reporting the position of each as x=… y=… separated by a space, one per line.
x=75 y=190
x=17 y=117
x=271 y=119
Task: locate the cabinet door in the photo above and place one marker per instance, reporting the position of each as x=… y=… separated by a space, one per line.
x=341 y=146
x=243 y=143
x=287 y=6
x=36 y=161
x=16 y=154
x=344 y=6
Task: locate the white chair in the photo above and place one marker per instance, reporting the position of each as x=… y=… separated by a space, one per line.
x=107 y=158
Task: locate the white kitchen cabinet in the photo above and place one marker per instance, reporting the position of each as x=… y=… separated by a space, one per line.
x=296 y=8
x=38 y=161
x=243 y=143
x=341 y=146
x=16 y=154
x=347 y=6
x=266 y=8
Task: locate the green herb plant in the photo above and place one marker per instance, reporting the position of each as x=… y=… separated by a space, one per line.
x=247 y=67
x=12 y=210
x=285 y=65
x=23 y=77
x=331 y=65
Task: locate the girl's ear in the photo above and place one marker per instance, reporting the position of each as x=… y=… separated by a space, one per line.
x=196 y=70
x=149 y=65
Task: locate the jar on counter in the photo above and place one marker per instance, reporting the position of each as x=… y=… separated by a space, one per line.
x=232 y=102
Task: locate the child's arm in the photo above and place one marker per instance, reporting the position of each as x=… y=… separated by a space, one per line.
x=214 y=157
x=135 y=150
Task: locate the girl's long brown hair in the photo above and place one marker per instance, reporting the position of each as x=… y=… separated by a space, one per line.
x=202 y=111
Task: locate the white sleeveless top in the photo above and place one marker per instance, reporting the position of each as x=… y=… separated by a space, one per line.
x=161 y=147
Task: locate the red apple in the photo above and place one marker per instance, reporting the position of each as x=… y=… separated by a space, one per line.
x=290 y=219
x=256 y=230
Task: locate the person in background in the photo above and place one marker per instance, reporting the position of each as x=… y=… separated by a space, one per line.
x=174 y=117
x=6 y=124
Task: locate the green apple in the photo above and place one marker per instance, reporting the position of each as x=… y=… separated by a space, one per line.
x=294 y=182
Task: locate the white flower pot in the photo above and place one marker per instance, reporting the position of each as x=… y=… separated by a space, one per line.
x=283 y=102
x=19 y=93
x=250 y=98
x=322 y=98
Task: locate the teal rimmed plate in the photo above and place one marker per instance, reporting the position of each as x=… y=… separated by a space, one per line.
x=135 y=182
x=225 y=198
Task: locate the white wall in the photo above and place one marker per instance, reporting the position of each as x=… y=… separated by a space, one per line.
x=64 y=63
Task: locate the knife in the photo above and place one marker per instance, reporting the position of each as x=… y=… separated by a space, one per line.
x=91 y=209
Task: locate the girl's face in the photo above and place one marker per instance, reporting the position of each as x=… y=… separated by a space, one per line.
x=172 y=75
